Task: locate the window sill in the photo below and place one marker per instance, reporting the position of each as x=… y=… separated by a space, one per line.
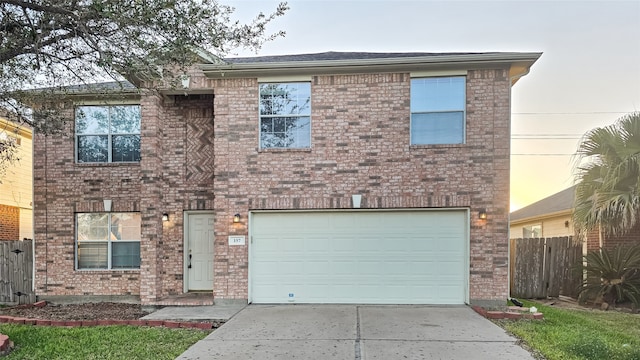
x=105 y=164
x=436 y=146
x=104 y=271
x=284 y=150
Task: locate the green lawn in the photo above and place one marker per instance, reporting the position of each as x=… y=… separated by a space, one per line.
x=580 y=334
x=100 y=342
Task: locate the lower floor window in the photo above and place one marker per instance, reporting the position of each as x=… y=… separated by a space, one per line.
x=532 y=231
x=108 y=241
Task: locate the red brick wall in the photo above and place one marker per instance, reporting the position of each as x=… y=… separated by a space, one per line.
x=63 y=188
x=593 y=240
x=9 y=222
x=175 y=174
x=609 y=242
x=629 y=239
x=360 y=144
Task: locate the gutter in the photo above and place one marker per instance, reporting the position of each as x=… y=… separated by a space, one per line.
x=541 y=217
x=398 y=64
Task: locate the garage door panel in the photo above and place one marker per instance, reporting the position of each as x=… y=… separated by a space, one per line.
x=359 y=257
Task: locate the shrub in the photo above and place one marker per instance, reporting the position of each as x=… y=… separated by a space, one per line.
x=613 y=275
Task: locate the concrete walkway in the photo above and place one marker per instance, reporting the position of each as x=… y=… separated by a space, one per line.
x=202 y=313
x=357 y=332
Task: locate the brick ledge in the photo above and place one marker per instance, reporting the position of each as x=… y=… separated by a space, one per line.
x=5 y=344
x=512 y=313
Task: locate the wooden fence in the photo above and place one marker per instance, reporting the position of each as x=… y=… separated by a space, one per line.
x=16 y=272
x=543 y=268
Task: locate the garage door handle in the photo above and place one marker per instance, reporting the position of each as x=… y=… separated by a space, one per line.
x=189 y=267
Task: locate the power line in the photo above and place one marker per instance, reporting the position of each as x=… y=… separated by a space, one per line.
x=546 y=134
x=572 y=113
x=543 y=154
x=545 y=138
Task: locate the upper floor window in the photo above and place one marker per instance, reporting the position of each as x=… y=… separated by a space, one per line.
x=438 y=110
x=108 y=133
x=108 y=241
x=285 y=115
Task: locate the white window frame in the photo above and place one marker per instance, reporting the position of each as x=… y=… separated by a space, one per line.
x=530 y=228
x=418 y=76
x=269 y=81
x=108 y=241
x=109 y=135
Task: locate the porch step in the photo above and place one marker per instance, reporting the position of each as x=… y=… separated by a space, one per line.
x=187 y=299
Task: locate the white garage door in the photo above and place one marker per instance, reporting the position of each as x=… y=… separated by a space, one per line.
x=367 y=257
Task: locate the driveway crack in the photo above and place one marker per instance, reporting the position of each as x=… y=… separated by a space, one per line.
x=358 y=355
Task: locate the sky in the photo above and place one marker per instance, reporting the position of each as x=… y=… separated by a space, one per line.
x=587 y=77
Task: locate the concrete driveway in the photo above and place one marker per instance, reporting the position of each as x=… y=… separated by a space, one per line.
x=357 y=332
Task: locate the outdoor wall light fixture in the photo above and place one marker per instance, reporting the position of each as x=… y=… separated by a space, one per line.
x=165 y=217
x=482 y=214
x=566 y=224
x=236 y=218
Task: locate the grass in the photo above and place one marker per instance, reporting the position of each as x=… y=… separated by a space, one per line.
x=100 y=342
x=580 y=334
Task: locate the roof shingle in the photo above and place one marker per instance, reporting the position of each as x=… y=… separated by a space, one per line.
x=560 y=201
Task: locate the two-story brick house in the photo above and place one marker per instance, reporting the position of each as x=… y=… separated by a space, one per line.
x=318 y=178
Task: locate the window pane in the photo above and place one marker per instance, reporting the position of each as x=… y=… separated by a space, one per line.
x=125 y=255
x=125 y=148
x=285 y=99
x=93 y=226
x=438 y=94
x=125 y=226
x=266 y=106
x=437 y=128
x=93 y=148
x=125 y=119
x=299 y=132
x=533 y=231
x=92 y=255
x=92 y=120
x=285 y=132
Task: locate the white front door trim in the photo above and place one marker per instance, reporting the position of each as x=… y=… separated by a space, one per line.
x=185 y=243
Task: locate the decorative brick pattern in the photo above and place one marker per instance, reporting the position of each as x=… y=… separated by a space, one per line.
x=9 y=222
x=194 y=147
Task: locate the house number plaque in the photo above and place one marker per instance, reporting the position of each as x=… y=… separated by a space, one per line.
x=237 y=240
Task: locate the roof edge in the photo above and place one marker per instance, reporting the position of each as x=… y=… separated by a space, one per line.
x=7 y=125
x=370 y=65
x=541 y=217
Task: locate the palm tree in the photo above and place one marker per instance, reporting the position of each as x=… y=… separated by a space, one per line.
x=608 y=178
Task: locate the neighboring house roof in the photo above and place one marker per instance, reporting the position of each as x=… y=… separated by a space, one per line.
x=555 y=204
x=110 y=86
x=10 y=127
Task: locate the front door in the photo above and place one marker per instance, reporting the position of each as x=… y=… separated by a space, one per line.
x=199 y=252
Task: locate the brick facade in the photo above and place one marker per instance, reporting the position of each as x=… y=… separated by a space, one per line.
x=360 y=145
x=9 y=222
x=609 y=242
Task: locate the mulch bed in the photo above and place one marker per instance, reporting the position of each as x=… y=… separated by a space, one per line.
x=87 y=311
